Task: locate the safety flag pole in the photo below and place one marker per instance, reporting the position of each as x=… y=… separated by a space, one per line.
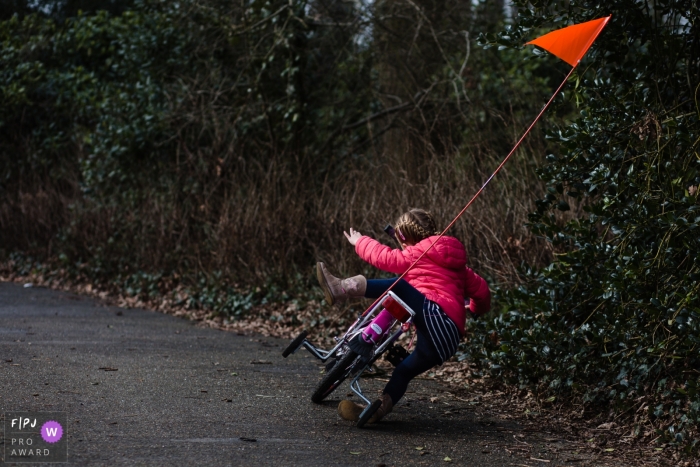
x=569 y=44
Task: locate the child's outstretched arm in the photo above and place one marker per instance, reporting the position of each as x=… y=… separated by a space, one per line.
x=378 y=255
x=476 y=288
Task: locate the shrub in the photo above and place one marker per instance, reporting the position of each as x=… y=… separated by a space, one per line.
x=616 y=318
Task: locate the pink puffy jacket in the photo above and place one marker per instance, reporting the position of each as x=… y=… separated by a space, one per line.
x=442 y=275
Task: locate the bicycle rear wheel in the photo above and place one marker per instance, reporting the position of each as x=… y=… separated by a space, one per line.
x=334 y=377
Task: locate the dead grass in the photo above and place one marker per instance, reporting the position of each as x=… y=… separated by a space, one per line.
x=267 y=221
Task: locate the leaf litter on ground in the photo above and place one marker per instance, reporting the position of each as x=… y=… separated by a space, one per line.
x=464 y=383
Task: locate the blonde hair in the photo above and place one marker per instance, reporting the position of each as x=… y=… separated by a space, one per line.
x=414 y=226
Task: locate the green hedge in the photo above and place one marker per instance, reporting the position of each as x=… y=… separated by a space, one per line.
x=615 y=320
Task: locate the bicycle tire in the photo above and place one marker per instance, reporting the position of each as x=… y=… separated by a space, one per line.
x=296 y=343
x=367 y=414
x=333 y=378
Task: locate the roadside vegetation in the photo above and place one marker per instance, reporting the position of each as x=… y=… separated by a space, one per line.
x=207 y=153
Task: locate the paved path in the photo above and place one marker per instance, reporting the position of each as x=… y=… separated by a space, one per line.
x=184 y=395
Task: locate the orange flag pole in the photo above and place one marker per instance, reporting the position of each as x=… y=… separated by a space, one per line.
x=569 y=44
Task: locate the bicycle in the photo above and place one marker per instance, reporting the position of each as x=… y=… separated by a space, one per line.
x=342 y=362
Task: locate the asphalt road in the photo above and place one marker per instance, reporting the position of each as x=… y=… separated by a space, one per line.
x=171 y=393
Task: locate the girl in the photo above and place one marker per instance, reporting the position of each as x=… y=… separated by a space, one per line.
x=435 y=289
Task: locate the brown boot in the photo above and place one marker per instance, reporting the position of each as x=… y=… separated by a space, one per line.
x=337 y=290
x=383 y=410
x=349 y=410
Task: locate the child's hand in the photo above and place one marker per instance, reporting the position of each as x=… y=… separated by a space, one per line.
x=468 y=308
x=353 y=236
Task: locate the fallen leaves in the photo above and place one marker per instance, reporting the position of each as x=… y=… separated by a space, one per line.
x=422 y=451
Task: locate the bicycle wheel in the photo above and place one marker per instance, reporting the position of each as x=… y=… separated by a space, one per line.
x=334 y=377
x=367 y=413
x=291 y=348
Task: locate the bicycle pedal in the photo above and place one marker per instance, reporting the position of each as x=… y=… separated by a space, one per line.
x=396 y=354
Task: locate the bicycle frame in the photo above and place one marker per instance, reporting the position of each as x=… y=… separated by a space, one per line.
x=355 y=328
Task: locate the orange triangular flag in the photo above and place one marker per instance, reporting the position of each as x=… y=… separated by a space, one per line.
x=571 y=43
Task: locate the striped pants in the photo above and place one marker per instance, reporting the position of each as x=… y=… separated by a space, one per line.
x=438 y=337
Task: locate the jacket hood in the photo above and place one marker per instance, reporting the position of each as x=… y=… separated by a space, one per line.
x=448 y=252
